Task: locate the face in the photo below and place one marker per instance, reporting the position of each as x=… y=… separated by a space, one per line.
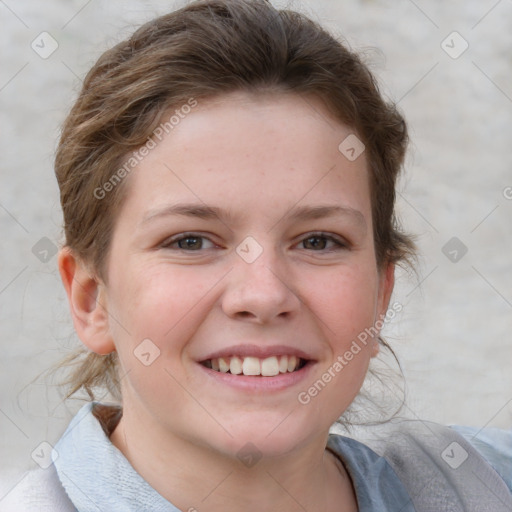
x=245 y=242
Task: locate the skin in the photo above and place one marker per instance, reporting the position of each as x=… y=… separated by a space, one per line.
x=259 y=158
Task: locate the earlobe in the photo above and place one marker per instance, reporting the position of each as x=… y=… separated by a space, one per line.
x=375 y=348
x=386 y=285
x=87 y=301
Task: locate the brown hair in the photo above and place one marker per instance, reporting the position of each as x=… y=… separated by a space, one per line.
x=205 y=49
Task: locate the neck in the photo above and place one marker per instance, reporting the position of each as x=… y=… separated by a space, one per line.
x=194 y=477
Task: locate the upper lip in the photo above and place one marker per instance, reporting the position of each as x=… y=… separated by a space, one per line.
x=258 y=351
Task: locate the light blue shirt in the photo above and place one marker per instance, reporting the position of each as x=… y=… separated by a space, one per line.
x=495 y=445
x=97 y=477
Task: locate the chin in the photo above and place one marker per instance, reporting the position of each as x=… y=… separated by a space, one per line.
x=273 y=436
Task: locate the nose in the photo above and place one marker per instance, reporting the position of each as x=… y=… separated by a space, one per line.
x=259 y=292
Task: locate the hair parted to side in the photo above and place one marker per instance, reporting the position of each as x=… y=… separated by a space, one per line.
x=205 y=49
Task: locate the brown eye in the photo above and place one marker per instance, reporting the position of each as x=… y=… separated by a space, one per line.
x=321 y=242
x=191 y=242
x=187 y=242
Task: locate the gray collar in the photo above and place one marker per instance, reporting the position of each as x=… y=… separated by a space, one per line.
x=96 y=475
x=403 y=468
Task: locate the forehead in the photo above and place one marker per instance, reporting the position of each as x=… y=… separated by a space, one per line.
x=266 y=153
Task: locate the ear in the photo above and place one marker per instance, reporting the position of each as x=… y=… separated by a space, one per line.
x=87 y=301
x=386 y=285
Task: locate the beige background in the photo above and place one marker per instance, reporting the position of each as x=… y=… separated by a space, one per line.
x=454 y=333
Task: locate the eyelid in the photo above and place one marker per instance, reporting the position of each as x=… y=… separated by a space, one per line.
x=181 y=236
x=341 y=242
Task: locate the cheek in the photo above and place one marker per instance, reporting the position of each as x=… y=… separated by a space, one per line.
x=162 y=305
x=346 y=309
x=154 y=315
x=345 y=301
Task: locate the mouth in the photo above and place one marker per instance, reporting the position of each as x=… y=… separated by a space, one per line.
x=254 y=366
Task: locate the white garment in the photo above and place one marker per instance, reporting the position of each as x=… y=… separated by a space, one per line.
x=40 y=490
x=410 y=465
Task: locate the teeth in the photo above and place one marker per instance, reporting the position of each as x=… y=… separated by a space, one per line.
x=251 y=366
x=268 y=367
x=235 y=367
x=283 y=364
x=292 y=363
x=223 y=364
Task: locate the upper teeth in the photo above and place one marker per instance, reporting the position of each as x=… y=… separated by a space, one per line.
x=268 y=367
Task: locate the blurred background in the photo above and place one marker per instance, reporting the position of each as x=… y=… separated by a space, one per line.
x=448 y=66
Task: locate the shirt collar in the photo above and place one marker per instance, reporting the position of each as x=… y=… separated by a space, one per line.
x=97 y=476
x=377 y=487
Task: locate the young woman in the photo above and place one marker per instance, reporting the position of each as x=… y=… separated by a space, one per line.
x=227 y=179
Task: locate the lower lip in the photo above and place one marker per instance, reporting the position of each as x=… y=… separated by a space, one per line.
x=258 y=383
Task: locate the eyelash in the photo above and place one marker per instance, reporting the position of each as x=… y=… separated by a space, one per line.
x=340 y=245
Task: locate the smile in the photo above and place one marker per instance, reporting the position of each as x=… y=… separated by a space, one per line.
x=254 y=366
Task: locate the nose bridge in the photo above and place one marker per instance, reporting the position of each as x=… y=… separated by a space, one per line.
x=258 y=286
x=257 y=253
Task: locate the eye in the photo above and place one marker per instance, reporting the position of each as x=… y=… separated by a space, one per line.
x=322 y=242
x=187 y=242
x=194 y=242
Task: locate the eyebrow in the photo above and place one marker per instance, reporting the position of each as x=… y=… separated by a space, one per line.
x=206 y=212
